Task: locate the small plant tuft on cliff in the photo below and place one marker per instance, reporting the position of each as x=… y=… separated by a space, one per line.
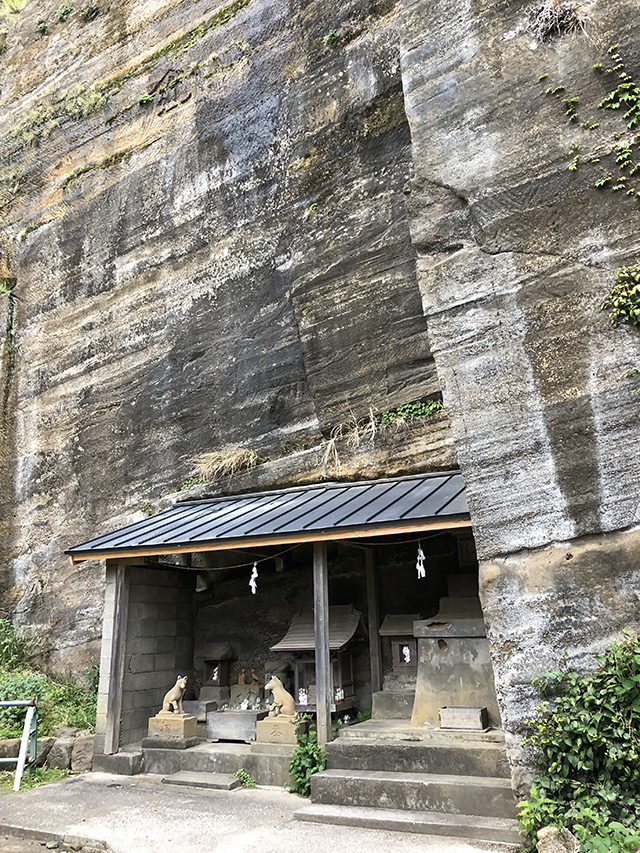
x=587 y=742
x=623 y=302
x=222 y=463
x=553 y=18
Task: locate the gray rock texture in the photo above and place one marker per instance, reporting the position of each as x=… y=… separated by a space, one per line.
x=226 y=261
x=246 y=225
x=515 y=254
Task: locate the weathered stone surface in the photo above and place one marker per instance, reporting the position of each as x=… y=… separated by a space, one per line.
x=82 y=753
x=60 y=753
x=10 y=747
x=44 y=748
x=554 y=840
x=515 y=254
x=247 y=218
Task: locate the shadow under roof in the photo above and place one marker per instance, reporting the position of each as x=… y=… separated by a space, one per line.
x=325 y=511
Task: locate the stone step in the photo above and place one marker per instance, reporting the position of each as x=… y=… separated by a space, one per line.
x=218 y=781
x=267 y=768
x=496 y=831
x=444 y=757
x=467 y=795
x=403 y=730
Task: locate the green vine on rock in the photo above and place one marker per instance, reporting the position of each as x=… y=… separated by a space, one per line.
x=623 y=301
x=587 y=743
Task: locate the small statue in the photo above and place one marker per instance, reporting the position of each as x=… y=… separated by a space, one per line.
x=255 y=679
x=242 y=678
x=283 y=704
x=172 y=702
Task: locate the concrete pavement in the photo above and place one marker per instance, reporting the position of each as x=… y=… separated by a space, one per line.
x=141 y=815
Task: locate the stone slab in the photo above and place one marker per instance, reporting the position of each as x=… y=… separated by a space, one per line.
x=121 y=763
x=160 y=742
x=465 y=719
x=174 y=726
x=276 y=730
x=199 y=708
x=470 y=795
x=494 y=830
x=217 y=781
x=388 y=705
x=233 y=725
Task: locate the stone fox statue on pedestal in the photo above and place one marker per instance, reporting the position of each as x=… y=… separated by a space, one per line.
x=172 y=702
x=283 y=704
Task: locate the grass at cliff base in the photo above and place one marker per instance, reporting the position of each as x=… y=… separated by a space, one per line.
x=62 y=700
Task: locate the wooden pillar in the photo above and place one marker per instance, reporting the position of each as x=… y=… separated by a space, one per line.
x=116 y=663
x=323 y=660
x=375 y=653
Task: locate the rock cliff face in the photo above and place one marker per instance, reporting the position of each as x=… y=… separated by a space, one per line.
x=516 y=252
x=242 y=224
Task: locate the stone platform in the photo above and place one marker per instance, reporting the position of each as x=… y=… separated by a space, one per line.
x=388 y=774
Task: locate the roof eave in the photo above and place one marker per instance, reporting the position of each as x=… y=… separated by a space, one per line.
x=334 y=534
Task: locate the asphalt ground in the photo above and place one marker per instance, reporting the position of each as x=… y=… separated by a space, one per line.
x=141 y=815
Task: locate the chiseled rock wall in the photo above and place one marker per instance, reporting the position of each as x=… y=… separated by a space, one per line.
x=205 y=216
x=516 y=252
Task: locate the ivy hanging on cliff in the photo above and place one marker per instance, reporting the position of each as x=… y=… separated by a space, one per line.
x=586 y=740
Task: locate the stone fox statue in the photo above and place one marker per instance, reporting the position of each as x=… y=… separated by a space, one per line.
x=172 y=702
x=283 y=704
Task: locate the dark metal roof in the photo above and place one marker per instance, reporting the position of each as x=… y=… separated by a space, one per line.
x=304 y=514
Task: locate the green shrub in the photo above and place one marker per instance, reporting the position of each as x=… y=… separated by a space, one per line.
x=308 y=757
x=246 y=780
x=62 y=701
x=587 y=740
x=16 y=685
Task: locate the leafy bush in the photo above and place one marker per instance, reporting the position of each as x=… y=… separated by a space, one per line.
x=308 y=757
x=62 y=701
x=623 y=302
x=588 y=741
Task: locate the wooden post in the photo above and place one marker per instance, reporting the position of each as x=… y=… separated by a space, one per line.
x=323 y=658
x=116 y=667
x=375 y=653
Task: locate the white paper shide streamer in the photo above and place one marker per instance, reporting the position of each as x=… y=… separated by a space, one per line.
x=253 y=579
x=420 y=562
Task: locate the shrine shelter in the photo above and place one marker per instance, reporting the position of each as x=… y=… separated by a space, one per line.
x=232 y=572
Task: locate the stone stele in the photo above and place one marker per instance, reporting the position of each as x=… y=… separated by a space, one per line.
x=168 y=724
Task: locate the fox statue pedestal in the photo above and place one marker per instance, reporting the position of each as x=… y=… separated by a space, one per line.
x=168 y=724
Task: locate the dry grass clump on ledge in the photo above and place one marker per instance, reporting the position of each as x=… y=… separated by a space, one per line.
x=552 y=18
x=217 y=464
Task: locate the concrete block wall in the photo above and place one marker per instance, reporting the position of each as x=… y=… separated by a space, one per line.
x=159 y=643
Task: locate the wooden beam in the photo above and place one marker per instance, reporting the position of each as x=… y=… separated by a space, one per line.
x=116 y=668
x=333 y=535
x=323 y=658
x=375 y=653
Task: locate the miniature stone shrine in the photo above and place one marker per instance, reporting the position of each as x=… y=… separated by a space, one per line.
x=215 y=691
x=454 y=668
x=345 y=626
x=395 y=700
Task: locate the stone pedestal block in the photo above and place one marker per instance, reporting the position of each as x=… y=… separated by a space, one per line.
x=233 y=725
x=165 y=724
x=276 y=730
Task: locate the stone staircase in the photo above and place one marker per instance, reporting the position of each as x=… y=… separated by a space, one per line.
x=390 y=776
